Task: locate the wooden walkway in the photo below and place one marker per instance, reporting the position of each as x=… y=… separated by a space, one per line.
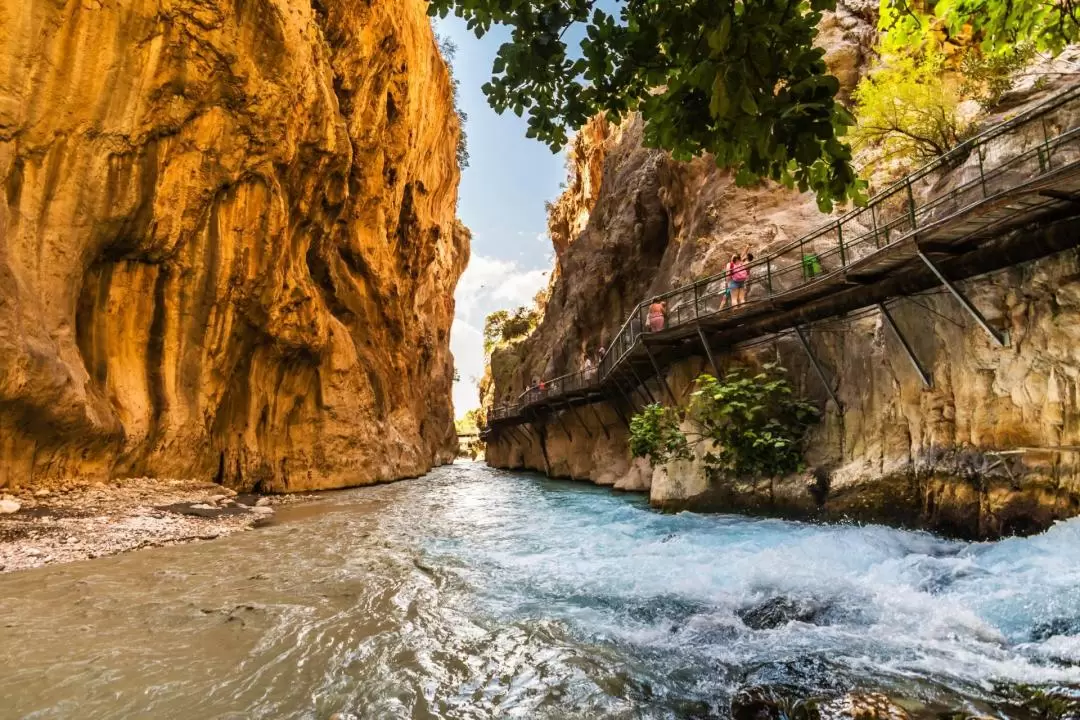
x=1020 y=174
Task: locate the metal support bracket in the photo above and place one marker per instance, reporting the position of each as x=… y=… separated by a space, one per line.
x=578 y=418
x=524 y=434
x=543 y=451
x=1001 y=338
x=558 y=418
x=817 y=368
x=659 y=375
x=599 y=420
x=614 y=402
x=708 y=351
x=641 y=383
x=628 y=398
x=927 y=378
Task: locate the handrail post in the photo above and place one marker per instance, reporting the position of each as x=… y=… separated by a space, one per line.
x=982 y=173
x=1046 y=143
x=696 y=294
x=911 y=204
x=840 y=241
x=873 y=219
x=768 y=275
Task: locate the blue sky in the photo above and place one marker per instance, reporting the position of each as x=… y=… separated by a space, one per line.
x=502 y=201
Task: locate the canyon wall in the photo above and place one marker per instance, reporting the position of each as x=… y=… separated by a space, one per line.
x=228 y=245
x=989 y=449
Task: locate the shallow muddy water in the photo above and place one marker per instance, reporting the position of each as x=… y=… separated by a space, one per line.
x=476 y=593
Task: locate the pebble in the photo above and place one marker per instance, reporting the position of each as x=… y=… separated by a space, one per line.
x=43 y=492
x=7 y=507
x=262 y=502
x=262 y=510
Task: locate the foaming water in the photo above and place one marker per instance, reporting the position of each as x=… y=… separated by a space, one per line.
x=475 y=593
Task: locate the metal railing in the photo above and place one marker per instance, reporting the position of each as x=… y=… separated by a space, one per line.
x=891 y=216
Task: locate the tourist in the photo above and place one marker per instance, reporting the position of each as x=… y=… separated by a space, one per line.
x=587 y=369
x=748 y=260
x=738 y=274
x=730 y=286
x=657 y=313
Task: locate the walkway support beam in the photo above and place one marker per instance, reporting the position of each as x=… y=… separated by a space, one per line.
x=599 y=420
x=708 y=351
x=1002 y=339
x=558 y=419
x=614 y=401
x=818 y=369
x=578 y=418
x=629 y=398
x=924 y=374
x=659 y=375
x=641 y=383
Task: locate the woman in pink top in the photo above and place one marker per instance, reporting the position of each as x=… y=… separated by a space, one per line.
x=657 y=311
x=738 y=274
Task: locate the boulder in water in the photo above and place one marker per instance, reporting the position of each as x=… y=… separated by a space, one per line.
x=771 y=702
x=861 y=706
x=777 y=611
x=1057 y=626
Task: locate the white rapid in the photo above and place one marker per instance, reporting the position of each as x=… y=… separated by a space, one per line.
x=477 y=593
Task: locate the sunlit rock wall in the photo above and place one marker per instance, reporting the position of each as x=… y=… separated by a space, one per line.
x=227 y=241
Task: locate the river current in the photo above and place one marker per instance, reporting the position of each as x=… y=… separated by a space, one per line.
x=477 y=593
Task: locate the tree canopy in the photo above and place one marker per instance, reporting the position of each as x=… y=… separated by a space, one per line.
x=740 y=79
x=503 y=326
x=994 y=26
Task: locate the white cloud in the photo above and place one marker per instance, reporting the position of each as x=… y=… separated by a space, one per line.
x=467 y=344
x=489 y=284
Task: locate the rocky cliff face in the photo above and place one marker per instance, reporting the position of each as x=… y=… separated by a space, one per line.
x=227 y=241
x=990 y=449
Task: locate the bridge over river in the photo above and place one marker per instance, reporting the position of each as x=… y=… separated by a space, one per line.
x=1021 y=174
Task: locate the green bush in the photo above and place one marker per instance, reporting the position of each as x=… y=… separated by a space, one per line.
x=910 y=107
x=756 y=422
x=654 y=432
x=503 y=327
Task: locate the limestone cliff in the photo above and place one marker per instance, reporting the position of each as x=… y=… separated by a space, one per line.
x=227 y=241
x=989 y=450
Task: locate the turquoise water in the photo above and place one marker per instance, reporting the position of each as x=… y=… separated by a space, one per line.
x=477 y=593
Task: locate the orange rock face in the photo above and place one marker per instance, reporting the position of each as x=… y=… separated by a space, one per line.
x=227 y=241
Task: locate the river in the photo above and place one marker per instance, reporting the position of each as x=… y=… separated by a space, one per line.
x=476 y=593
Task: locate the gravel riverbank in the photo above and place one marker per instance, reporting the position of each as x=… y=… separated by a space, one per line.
x=78 y=522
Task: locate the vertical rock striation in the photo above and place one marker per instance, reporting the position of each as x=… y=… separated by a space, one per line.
x=227 y=241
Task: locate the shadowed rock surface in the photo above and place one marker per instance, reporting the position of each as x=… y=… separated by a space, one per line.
x=227 y=242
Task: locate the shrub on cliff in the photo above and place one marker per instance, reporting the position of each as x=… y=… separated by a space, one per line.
x=910 y=108
x=755 y=423
x=504 y=327
x=654 y=433
x=448 y=48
